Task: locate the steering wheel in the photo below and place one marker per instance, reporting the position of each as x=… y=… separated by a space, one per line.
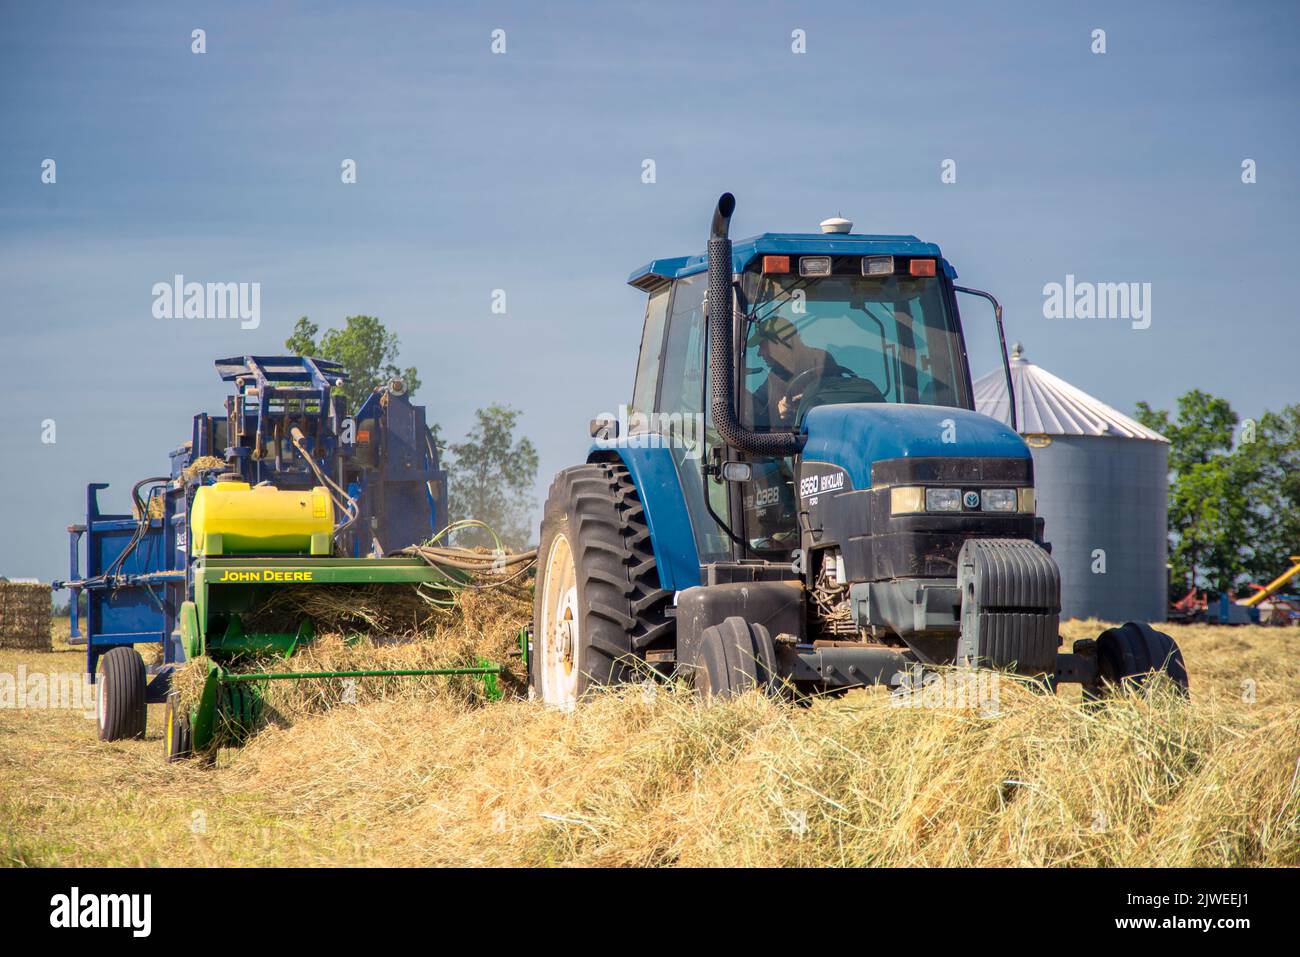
x=870 y=391
x=794 y=388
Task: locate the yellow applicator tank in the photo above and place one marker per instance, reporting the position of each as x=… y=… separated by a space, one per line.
x=259 y=520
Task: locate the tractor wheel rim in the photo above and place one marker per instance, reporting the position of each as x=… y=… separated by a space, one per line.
x=101 y=701
x=560 y=627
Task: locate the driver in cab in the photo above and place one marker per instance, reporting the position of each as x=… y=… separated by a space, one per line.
x=794 y=369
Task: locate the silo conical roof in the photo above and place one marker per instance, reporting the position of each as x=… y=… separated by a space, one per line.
x=1048 y=405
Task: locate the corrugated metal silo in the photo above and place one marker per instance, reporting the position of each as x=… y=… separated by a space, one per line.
x=1102 y=481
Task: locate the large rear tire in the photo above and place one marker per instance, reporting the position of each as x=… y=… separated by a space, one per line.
x=730 y=659
x=598 y=604
x=121 y=709
x=1132 y=652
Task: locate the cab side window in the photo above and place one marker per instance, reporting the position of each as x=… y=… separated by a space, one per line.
x=683 y=378
x=681 y=413
x=652 y=343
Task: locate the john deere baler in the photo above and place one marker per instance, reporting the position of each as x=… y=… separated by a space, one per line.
x=285 y=490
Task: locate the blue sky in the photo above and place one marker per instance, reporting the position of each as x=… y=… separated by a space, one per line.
x=522 y=172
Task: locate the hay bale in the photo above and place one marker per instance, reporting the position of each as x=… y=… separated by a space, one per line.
x=25 y=616
x=204 y=463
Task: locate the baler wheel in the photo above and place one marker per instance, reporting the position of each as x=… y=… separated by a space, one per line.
x=178 y=740
x=1132 y=652
x=598 y=602
x=730 y=659
x=120 y=702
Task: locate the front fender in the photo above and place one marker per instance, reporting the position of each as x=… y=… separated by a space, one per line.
x=657 y=481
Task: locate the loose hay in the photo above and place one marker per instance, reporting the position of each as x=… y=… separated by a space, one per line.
x=640 y=776
x=25 y=615
x=646 y=778
x=202 y=463
x=363 y=628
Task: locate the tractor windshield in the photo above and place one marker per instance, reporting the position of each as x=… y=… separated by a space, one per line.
x=813 y=341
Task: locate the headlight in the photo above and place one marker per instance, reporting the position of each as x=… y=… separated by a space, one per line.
x=943 y=500
x=1000 y=499
x=905 y=499
x=916 y=499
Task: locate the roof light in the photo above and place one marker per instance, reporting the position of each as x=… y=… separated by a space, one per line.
x=922 y=267
x=837 y=224
x=814 y=265
x=877 y=265
x=776 y=264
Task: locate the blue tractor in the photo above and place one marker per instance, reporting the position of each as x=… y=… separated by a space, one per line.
x=801 y=494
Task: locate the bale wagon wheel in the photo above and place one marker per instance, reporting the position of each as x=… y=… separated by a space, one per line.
x=120 y=706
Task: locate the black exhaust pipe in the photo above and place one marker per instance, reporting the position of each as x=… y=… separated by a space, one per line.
x=722 y=407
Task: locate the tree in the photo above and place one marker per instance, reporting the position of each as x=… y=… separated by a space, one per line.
x=363 y=346
x=492 y=478
x=1272 y=448
x=1234 y=506
x=1204 y=524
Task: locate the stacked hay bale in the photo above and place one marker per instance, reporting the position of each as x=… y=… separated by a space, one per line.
x=25 y=615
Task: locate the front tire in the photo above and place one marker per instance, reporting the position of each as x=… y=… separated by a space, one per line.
x=120 y=698
x=598 y=604
x=730 y=659
x=1132 y=652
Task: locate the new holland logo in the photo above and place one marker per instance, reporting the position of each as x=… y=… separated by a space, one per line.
x=971 y=499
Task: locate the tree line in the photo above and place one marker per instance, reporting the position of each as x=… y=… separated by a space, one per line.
x=1234 y=491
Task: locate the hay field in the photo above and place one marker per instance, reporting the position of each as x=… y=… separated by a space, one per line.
x=653 y=778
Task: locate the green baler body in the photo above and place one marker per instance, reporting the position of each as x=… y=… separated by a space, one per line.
x=227 y=587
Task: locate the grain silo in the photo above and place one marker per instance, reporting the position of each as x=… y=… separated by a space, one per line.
x=1102 y=482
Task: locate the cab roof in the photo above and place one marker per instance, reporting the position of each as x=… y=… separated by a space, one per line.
x=743 y=251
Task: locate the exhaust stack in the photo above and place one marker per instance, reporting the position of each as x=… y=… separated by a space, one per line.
x=721 y=320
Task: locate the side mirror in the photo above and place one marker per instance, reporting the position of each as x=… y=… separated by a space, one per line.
x=603 y=429
x=1012 y=419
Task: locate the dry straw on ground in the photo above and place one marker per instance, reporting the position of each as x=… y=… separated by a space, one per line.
x=648 y=777
x=653 y=777
x=24 y=615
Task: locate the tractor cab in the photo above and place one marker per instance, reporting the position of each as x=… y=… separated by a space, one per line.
x=820 y=319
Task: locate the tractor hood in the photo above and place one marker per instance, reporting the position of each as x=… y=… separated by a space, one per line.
x=854 y=436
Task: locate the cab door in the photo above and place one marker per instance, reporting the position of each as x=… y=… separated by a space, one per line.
x=680 y=414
